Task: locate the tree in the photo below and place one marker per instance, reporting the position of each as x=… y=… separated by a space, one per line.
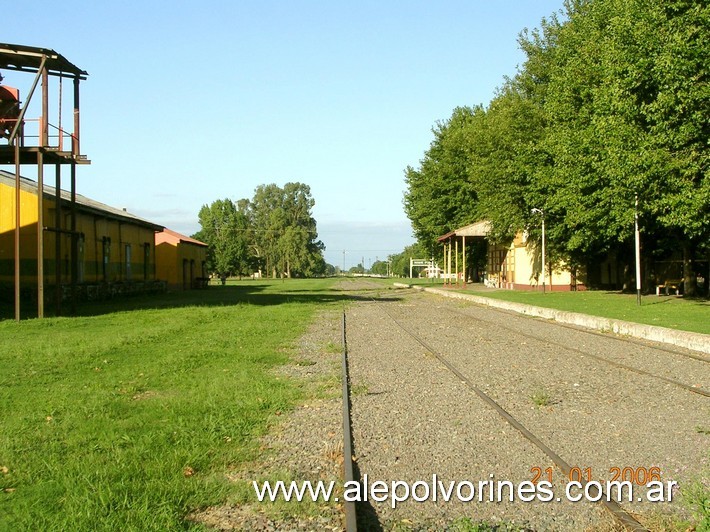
x=268 y=220
x=508 y=161
x=379 y=267
x=330 y=270
x=298 y=241
x=610 y=103
x=439 y=195
x=626 y=98
x=224 y=228
x=359 y=269
x=285 y=230
x=274 y=231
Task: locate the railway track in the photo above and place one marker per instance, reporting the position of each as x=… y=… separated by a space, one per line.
x=621 y=516
x=348 y=466
x=648 y=344
x=582 y=352
x=586 y=353
x=641 y=343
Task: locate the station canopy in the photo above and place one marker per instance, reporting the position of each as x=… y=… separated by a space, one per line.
x=478 y=229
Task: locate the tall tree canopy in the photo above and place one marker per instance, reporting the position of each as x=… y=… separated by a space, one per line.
x=274 y=231
x=225 y=228
x=286 y=234
x=610 y=104
x=439 y=194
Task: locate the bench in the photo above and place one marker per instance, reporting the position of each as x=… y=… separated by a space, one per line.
x=673 y=284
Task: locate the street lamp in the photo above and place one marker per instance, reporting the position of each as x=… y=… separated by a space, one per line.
x=542 y=215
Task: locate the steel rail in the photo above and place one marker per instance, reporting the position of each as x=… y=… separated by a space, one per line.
x=640 y=343
x=629 y=340
x=693 y=389
x=348 y=474
x=647 y=344
x=623 y=517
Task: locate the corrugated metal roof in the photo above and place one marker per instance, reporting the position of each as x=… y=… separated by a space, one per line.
x=83 y=203
x=28 y=59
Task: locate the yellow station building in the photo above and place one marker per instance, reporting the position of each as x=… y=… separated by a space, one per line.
x=114 y=246
x=181 y=260
x=117 y=252
x=514 y=265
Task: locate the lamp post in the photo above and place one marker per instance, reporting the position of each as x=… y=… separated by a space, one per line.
x=542 y=215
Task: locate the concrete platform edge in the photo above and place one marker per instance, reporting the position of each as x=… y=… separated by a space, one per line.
x=689 y=340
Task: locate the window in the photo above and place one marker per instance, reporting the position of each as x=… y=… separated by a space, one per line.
x=129 y=270
x=146 y=261
x=80 y=258
x=106 y=245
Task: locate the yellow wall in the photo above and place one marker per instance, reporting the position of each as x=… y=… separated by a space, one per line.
x=517 y=265
x=95 y=228
x=180 y=264
x=528 y=263
x=28 y=230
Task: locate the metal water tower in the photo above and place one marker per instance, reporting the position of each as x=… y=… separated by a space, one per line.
x=31 y=135
x=9 y=108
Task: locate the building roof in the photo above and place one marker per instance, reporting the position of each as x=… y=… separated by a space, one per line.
x=83 y=203
x=479 y=229
x=29 y=59
x=168 y=235
x=446 y=236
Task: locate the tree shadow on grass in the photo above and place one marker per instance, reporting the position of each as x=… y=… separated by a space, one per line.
x=252 y=293
x=669 y=300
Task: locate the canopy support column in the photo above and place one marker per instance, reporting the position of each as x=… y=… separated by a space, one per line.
x=456 y=259
x=74 y=240
x=463 y=247
x=448 y=276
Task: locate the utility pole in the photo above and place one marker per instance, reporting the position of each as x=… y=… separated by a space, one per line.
x=637 y=238
x=542 y=215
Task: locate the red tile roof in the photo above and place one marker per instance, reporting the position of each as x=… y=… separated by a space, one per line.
x=167 y=235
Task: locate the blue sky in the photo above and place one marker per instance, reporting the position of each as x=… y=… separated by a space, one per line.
x=189 y=102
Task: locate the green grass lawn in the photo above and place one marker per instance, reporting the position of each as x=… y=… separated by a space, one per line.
x=664 y=311
x=128 y=417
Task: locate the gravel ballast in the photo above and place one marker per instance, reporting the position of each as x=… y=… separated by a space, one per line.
x=412 y=418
